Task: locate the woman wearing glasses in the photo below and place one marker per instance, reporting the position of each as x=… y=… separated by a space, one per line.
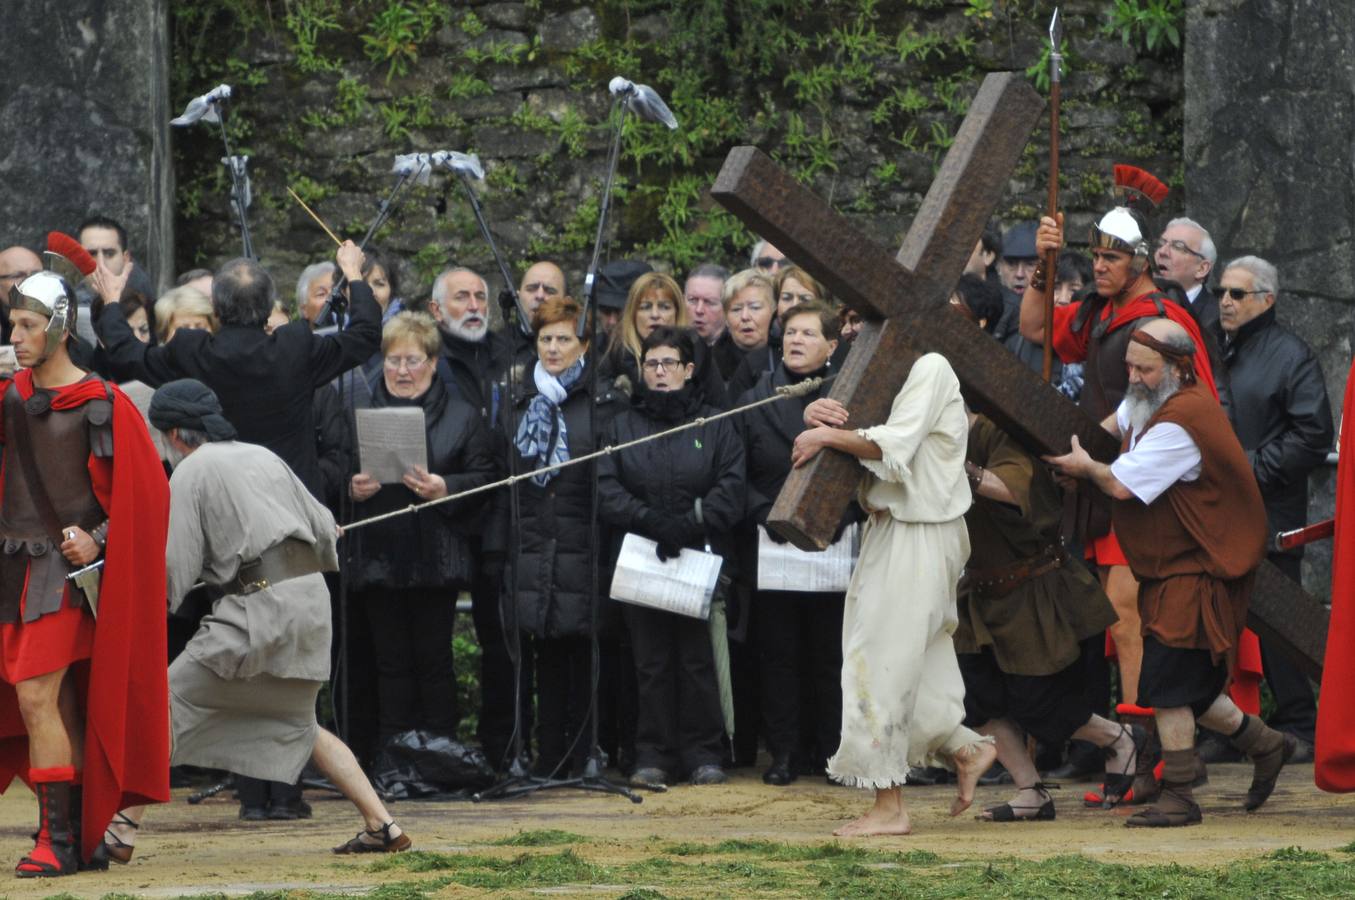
x=684 y=490
x=656 y=300
x=405 y=571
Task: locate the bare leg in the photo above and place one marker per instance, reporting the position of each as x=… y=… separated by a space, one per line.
x=1176 y=727
x=333 y=758
x=1011 y=752
x=1123 y=592
x=49 y=743
x=971 y=761
x=887 y=816
x=1117 y=739
x=1222 y=716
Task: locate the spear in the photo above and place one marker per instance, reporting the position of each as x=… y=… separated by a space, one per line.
x=1051 y=260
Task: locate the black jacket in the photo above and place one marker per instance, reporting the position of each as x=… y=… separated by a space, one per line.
x=472 y=371
x=769 y=433
x=331 y=445
x=427 y=549
x=727 y=355
x=664 y=477
x=1280 y=412
x=1205 y=309
x=265 y=381
x=550 y=571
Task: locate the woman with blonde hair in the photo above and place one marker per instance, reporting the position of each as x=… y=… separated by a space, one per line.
x=656 y=300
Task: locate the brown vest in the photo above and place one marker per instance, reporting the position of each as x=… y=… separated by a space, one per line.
x=1196 y=547
x=31 y=564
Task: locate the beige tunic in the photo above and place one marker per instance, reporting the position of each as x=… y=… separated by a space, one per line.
x=242 y=695
x=902 y=694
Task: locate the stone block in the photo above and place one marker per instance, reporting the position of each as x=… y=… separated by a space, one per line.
x=85 y=115
x=570 y=30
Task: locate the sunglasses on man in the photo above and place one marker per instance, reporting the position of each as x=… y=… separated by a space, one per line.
x=1239 y=293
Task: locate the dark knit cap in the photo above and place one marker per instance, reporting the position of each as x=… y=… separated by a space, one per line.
x=188 y=403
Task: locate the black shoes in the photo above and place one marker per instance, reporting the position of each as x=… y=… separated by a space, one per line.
x=779 y=773
x=709 y=774
x=650 y=777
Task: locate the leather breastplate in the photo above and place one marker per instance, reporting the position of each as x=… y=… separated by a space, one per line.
x=30 y=558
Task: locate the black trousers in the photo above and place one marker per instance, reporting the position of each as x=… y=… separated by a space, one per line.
x=1295 y=708
x=1050 y=707
x=800 y=658
x=495 y=727
x=564 y=690
x=352 y=675
x=411 y=631
x=679 y=723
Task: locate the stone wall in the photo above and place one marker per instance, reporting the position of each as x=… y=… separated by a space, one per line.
x=1270 y=127
x=859 y=98
x=85 y=116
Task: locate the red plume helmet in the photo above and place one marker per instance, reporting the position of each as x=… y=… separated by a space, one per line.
x=1141 y=191
x=67 y=258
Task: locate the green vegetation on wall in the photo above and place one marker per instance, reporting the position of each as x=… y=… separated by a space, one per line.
x=860 y=99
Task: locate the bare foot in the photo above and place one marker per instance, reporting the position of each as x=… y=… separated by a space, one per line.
x=877 y=822
x=971 y=761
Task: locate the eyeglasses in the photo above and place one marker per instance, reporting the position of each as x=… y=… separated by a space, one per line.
x=771 y=262
x=1179 y=247
x=1239 y=294
x=667 y=365
x=396 y=363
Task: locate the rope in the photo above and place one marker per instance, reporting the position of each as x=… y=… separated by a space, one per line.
x=782 y=393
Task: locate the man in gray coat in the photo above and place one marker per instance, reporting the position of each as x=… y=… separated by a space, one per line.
x=242 y=694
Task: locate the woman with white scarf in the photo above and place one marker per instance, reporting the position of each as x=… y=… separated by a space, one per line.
x=549 y=577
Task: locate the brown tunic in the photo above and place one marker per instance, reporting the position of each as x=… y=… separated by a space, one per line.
x=1195 y=548
x=1034 y=629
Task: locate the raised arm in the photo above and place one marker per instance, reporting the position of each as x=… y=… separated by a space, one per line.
x=1032 y=324
x=334 y=354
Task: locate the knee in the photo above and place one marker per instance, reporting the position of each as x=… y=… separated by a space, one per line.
x=36 y=701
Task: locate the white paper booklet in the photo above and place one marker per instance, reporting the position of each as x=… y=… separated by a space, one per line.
x=682 y=585
x=391 y=441
x=785 y=567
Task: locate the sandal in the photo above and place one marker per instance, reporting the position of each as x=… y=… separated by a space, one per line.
x=1118 y=786
x=113 y=848
x=397 y=844
x=1006 y=812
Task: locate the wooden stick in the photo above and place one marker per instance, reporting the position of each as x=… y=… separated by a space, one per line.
x=318 y=221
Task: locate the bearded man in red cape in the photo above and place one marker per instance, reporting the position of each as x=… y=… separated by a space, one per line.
x=84 y=705
x=1334 y=750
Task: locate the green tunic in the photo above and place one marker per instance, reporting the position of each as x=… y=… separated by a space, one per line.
x=1035 y=629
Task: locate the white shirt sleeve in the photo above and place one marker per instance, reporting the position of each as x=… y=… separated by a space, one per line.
x=1164 y=455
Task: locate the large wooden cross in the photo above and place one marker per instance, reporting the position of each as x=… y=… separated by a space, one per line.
x=903 y=296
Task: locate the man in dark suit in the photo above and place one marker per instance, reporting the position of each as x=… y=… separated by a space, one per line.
x=1186 y=254
x=265 y=381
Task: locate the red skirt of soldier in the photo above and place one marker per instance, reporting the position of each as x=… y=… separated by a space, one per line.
x=53 y=642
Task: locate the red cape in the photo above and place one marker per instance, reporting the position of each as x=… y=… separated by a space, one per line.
x=1334 y=768
x=126 y=696
x=1071 y=346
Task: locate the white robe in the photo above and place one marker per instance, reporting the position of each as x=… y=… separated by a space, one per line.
x=902 y=694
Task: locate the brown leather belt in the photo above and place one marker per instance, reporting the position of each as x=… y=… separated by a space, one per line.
x=281 y=562
x=1002 y=580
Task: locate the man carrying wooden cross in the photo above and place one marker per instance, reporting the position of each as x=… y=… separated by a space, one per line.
x=902 y=693
x=1191 y=523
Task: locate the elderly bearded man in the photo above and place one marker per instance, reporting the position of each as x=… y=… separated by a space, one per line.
x=1190 y=519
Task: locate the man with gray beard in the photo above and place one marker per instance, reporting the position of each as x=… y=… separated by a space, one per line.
x=1191 y=522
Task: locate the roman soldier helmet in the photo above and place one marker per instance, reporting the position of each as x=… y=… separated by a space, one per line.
x=1125 y=227
x=49 y=293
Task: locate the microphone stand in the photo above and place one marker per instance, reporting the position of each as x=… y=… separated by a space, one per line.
x=240 y=192
x=519 y=782
x=613 y=160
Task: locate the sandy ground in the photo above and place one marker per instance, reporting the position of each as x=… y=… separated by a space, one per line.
x=202 y=849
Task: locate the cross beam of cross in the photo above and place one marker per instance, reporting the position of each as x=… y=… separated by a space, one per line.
x=904 y=299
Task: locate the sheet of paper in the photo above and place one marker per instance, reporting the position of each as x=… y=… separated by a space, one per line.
x=683 y=585
x=391 y=441
x=785 y=567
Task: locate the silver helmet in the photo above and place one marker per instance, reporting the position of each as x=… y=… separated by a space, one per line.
x=1121 y=229
x=47 y=294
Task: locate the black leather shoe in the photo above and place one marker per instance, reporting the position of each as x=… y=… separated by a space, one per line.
x=996 y=774
x=709 y=774
x=253 y=813
x=649 y=777
x=779 y=773
x=289 y=810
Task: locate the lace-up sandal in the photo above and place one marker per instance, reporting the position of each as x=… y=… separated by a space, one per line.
x=1118 y=785
x=113 y=849
x=1006 y=812
x=376 y=840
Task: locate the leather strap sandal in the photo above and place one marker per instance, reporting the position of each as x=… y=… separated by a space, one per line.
x=380 y=841
x=1117 y=785
x=1006 y=812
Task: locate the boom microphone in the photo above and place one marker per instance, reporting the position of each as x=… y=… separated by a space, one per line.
x=204 y=108
x=467 y=164
x=643 y=100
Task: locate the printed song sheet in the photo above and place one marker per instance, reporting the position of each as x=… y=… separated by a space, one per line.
x=683 y=585
x=785 y=567
x=391 y=442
